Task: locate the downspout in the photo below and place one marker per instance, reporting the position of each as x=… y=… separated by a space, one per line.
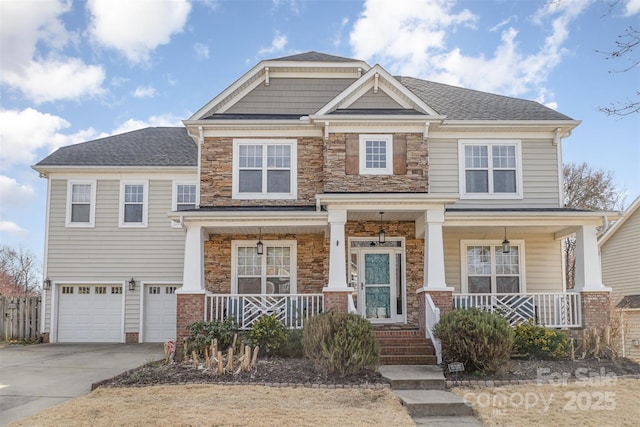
x=45 y=258
x=200 y=143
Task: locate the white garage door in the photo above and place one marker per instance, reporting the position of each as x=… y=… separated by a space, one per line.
x=160 y=313
x=90 y=313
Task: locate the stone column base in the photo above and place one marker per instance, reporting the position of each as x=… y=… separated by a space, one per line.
x=131 y=337
x=190 y=309
x=596 y=309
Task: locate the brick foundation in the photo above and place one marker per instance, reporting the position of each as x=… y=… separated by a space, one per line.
x=131 y=337
x=336 y=301
x=190 y=309
x=596 y=309
x=441 y=299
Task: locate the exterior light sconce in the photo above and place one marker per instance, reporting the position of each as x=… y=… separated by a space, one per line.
x=132 y=284
x=46 y=284
x=260 y=245
x=506 y=246
x=381 y=237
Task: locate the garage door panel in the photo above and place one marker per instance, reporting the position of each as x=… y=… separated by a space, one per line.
x=90 y=313
x=160 y=313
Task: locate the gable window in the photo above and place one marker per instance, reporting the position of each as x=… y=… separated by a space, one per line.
x=81 y=202
x=264 y=169
x=273 y=272
x=490 y=169
x=486 y=269
x=376 y=155
x=133 y=203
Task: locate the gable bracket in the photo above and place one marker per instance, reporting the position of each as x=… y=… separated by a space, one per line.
x=375 y=83
x=425 y=135
x=326 y=131
x=266 y=76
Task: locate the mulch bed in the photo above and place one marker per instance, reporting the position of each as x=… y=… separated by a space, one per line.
x=302 y=372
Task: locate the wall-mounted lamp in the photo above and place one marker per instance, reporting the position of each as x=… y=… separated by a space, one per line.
x=381 y=237
x=260 y=245
x=46 y=284
x=506 y=246
x=132 y=284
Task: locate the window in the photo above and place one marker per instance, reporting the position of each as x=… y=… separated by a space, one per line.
x=376 y=155
x=81 y=202
x=486 y=269
x=133 y=204
x=270 y=273
x=490 y=168
x=264 y=169
x=184 y=196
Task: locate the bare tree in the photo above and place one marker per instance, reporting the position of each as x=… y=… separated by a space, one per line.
x=588 y=189
x=19 y=272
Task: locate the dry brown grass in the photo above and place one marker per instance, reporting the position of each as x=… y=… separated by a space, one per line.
x=600 y=402
x=216 y=405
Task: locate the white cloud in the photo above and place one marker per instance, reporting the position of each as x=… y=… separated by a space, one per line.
x=13 y=229
x=277 y=45
x=632 y=7
x=153 y=121
x=145 y=92
x=201 y=51
x=14 y=194
x=135 y=28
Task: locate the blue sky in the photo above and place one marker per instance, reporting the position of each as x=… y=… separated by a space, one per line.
x=76 y=71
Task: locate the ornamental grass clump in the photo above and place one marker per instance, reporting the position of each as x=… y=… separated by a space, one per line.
x=480 y=339
x=340 y=343
x=540 y=343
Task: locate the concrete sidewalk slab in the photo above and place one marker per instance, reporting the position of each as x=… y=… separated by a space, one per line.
x=36 y=377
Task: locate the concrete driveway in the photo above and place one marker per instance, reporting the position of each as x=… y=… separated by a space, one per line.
x=35 y=377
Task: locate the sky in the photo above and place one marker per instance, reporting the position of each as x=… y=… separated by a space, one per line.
x=73 y=71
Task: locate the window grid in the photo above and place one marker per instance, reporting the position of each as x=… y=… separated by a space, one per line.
x=274 y=178
x=133 y=203
x=376 y=154
x=490 y=174
x=101 y=290
x=268 y=273
x=185 y=196
x=489 y=270
x=116 y=290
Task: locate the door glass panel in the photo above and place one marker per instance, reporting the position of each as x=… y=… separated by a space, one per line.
x=377 y=269
x=377 y=274
x=378 y=302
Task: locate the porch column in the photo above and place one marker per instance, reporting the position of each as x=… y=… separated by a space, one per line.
x=337 y=294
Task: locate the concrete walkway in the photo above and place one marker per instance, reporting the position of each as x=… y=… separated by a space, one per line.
x=35 y=377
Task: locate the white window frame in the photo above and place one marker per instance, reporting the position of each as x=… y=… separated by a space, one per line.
x=92 y=204
x=464 y=285
x=291 y=244
x=264 y=195
x=174 y=197
x=145 y=204
x=362 y=154
x=489 y=143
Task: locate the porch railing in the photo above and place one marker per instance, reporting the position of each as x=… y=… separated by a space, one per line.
x=553 y=310
x=246 y=309
x=432 y=316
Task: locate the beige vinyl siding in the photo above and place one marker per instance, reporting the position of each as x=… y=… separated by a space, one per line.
x=631 y=325
x=542 y=259
x=290 y=96
x=132 y=309
x=620 y=257
x=375 y=100
x=539 y=174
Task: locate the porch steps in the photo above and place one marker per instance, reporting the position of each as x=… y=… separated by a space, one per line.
x=404 y=346
x=421 y=388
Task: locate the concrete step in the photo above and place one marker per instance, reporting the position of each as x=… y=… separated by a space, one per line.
x=425 y=403
x=412 y=359
x=461 y=421
x=416 y=377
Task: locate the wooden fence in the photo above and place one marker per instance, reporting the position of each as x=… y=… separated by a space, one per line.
x=19 y=318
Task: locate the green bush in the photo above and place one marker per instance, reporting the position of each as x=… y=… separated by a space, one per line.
x=202 y=334
x=540 y=342
x=480 y=339
x=269 y=333
x=293 y=345
x=341 y=343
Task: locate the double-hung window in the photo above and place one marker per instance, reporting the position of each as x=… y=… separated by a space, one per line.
x=133 y=203
x=490 y=169
x=376 y=154
x=486 y=269
x=273 y=272
x=264 y=169
x=81 y=202
x=184 y=196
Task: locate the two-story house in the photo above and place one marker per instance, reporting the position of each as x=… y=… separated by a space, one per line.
x=316 y=183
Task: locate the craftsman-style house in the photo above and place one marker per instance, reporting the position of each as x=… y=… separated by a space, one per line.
x=317 y=183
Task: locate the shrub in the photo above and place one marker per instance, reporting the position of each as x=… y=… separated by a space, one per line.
x=540 y=342
x=269 y=333
x=202 y=334
x=293 y=345
x=480 y=339
x=342 y=343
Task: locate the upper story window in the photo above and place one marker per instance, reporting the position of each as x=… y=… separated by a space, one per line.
x=486 y=269
x=133 y=203
x=376 y=154
x=264 y=169
x=81 y=204
x=490 y=169
x=184 y=196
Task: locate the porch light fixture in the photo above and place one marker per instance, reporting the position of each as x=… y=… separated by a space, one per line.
x=381 y=238
x=260 y=245
x=46 y=284
x=132 y=284
x=506 y=246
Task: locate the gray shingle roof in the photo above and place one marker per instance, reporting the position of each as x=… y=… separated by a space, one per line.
x=315 y=57
x=158 y=146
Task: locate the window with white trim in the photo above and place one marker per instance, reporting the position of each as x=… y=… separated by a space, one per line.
x=185 y=196
x=81 y=202
x=273 y=272
x=486 y=269
x=376 y=154
x=133 y=203
x=490 y=169
x=264 y=169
